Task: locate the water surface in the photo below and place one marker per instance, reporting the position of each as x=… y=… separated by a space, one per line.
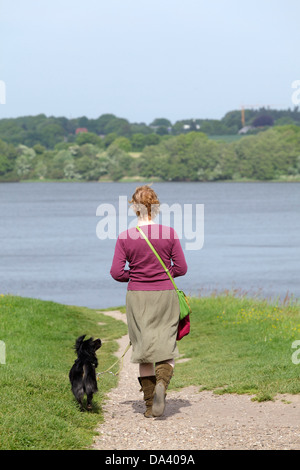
x=49 y=248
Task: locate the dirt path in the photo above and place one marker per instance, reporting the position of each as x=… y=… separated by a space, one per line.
x=194 y=420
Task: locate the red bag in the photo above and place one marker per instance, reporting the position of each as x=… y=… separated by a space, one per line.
x=184 y=327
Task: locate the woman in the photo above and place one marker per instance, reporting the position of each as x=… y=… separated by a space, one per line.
x=152 y=306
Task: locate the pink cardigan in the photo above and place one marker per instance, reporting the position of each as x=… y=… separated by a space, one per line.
x=145 y=271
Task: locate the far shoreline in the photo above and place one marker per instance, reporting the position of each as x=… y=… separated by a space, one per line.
x=155 y=180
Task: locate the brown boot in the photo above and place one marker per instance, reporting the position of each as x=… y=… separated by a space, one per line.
x=147 y=386
x=163 y=374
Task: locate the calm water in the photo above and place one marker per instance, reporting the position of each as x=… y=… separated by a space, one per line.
x=49 y=248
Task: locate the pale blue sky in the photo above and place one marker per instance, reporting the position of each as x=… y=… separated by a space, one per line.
x=142 y=59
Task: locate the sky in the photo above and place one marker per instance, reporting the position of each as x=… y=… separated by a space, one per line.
x=145 y=59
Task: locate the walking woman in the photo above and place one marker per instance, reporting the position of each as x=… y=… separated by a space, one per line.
x=152 y=306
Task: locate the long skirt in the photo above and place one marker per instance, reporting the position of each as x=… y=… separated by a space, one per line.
x=152 y=318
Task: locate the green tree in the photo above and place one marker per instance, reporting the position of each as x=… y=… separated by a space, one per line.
x=152 y=139
x=39 y=149
x=162 y=130
x=8 y=155
x=83 y=166
x=123 y=143
x=88 y=138
x=140 y=128
x=109 y=139
x=47 y=133
x=58 y=163
x=40 y=170
x=4 y=165
x=103 y=122
x=120 y=162
x=161 y=122
x=23 y=166
x=89 y=150
x=138 y=142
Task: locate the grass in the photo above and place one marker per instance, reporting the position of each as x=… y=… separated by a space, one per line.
x=241 y=345
x=37 y=409
x=226 y=138
x=236 y=345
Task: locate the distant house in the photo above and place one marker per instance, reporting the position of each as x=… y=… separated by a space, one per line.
x=79 y=130
x=193 y=126
x=245 y=129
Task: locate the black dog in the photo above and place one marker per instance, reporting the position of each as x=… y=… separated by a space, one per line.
x=83 y=373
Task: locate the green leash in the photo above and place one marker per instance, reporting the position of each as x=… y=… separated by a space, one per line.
x=184 y=305
x=157 y=255
x=120 y=368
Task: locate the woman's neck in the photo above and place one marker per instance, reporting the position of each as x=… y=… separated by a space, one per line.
x=144 y=221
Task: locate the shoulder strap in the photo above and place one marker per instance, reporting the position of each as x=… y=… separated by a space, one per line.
x=157 y=255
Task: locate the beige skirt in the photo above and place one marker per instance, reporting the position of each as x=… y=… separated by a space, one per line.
x=152 y=318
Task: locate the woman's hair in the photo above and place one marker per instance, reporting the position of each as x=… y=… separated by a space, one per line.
x=145 y=202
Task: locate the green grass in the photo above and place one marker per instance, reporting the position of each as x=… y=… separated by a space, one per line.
x=241 y=345
x=226 y=138
x=236 y=345
x=37 y=409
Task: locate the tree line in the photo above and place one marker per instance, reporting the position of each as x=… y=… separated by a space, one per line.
x=50 y=131
x=193 y=156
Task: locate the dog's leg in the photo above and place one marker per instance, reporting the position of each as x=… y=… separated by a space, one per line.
x=77 y=382
x=79 y=398
x=90 y=384
x=78 y=392
x=89 y=401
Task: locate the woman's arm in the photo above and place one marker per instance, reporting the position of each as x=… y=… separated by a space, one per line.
x=179 y=267
x=117 y=270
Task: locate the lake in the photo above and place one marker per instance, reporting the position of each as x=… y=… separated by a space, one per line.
x=49 y=248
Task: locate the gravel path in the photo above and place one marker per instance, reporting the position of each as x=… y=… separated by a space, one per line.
x=194 y=420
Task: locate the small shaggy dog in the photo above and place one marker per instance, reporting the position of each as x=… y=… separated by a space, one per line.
x=83 y=373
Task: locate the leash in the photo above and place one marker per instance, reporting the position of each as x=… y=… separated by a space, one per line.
x=120 y=368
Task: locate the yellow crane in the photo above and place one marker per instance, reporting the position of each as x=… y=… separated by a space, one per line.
x=252 y=106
